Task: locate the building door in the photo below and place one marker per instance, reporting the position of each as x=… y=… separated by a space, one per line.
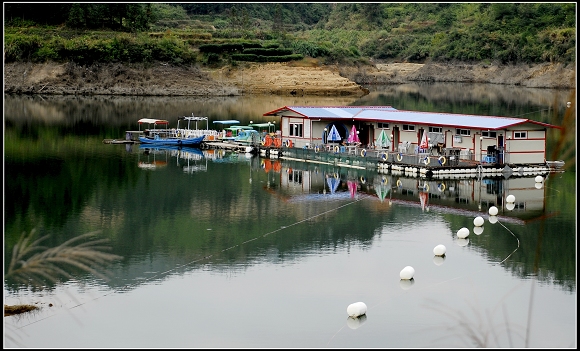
x=500 y=149
x=395 y=138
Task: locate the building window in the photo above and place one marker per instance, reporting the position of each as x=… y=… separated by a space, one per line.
x=383 y=125
x=463 y=132
x=489 y=134
x=408 y=127
x=295 y=176
x=435 y=130
x=520 y=135
x=296 y=129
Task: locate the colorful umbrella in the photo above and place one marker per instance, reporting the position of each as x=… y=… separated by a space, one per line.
x=382 y=191
x=353 y=136
x=424 y=143
x=352 y=187
x=334 y=135
x=423 y=196
x=333 y=182
x=383 y=140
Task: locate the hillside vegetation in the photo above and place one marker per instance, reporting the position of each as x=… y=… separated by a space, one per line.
x=217 y=34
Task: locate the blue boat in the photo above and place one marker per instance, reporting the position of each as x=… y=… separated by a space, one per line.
x=196 y=152
x=175 y=136
x=157 y=139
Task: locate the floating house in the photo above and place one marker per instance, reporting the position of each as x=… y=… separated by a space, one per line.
x=471 y=138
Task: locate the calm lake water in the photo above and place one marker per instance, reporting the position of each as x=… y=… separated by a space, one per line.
x=228 y=250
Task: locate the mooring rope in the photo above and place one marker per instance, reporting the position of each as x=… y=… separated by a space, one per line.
x=360 y=198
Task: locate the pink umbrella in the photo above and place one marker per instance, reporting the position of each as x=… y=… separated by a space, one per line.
x=352 y=187
x=353 y=136
x=424 y=197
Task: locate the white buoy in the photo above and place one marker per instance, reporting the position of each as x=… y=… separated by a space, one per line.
x=407 y=273
x=356 y=309
x=462 y=242
x=539 y=185
x=477 y=230
x=356 y=322
x=478 y=221
x=463 y=233
x=492 y=219
x=510 y=198
x=539 y=179
x=439 y=250
x=438 y=260
x=510 y=206
x=493 y=211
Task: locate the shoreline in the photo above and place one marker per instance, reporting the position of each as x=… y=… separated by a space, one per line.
x=306 y=78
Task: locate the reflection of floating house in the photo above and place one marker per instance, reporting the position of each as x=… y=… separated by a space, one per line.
x=471 y=197
x=450 y=138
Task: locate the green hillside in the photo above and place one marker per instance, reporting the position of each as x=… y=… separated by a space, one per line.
x=225 y=33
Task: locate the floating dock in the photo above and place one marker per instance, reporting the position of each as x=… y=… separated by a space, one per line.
x=228 y=145
x=412 y=165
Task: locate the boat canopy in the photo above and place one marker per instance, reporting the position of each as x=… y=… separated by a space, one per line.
x=193 y=118
x=153 y=121
x=229 y=121
x=262 y=125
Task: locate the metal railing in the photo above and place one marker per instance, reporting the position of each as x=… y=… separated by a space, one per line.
x=362 y=157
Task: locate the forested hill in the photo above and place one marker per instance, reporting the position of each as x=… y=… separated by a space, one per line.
x=507 y=33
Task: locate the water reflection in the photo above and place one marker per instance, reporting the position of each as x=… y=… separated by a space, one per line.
x=236 y=231
x=356 y=322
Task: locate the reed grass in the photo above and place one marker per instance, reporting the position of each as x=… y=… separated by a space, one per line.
x=35 y=265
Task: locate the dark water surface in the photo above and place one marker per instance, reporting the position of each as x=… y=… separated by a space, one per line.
x=230 y=250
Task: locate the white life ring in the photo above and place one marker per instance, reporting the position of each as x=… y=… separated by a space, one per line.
x=384 y=156
x=336 y=149
x=442 y=160
x=316 y=148
x=427 y=160
x=288 y=143
x=399 y=183
x=363 y=152
x=363 y=180
x=399 y=157
x=426 y=187
x=441 y=187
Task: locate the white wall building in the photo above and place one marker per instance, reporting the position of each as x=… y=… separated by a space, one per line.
x=501 y=140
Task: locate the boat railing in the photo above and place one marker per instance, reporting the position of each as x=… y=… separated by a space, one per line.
x=194 y=133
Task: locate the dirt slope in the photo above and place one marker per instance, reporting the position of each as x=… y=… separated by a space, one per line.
x=297 y=78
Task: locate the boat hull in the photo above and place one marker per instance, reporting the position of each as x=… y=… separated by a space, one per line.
x=173 y=141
